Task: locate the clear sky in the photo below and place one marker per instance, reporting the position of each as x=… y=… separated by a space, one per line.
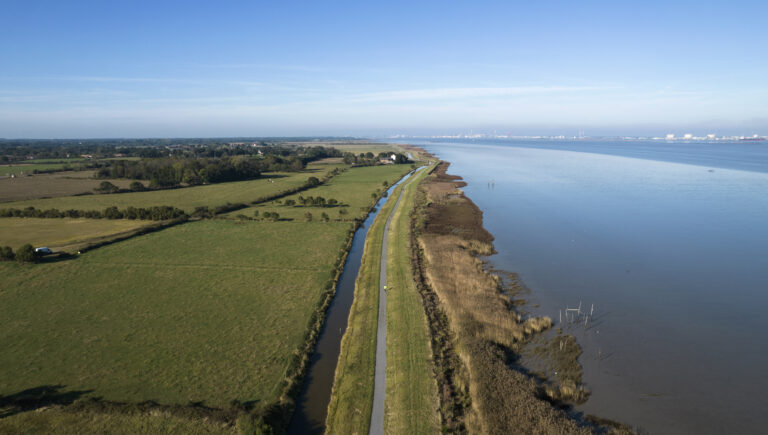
x=255 y=68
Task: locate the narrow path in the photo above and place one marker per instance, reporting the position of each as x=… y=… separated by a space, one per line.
x=379 y=384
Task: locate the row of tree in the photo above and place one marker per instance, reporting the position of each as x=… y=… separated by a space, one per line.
x=156 y=213
x=313 y=201
x=168 y=172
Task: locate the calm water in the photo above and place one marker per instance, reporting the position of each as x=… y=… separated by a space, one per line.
x=669 y=241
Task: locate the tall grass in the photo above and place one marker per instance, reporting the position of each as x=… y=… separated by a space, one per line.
x=483 y=323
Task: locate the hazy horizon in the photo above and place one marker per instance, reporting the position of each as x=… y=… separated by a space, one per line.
x=185 y=69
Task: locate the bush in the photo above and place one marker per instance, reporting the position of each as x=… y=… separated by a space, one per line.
x=137 y=186
x=6 y=253
x=107 y=187
x=26 y=254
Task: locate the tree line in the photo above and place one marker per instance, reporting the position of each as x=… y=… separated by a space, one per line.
x=156 y=213
x=26 y=149
x=167 y=172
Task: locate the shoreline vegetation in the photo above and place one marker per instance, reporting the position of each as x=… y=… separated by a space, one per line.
x=476 y=333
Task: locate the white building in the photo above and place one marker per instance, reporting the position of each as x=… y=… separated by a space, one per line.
x=670 y=136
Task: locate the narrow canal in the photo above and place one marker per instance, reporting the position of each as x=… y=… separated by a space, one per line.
x=312 y=405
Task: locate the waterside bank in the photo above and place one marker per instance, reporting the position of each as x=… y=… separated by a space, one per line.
x=477 y=334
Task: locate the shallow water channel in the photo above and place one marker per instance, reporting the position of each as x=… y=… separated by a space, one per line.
x=312 y=405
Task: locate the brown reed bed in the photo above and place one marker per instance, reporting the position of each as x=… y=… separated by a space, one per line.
x=483 y=390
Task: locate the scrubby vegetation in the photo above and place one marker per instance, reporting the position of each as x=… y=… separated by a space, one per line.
x=25 y=254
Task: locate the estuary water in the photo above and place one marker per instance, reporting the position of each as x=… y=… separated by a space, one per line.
x=669 y=241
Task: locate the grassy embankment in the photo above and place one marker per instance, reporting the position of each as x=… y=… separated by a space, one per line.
x=212 y=312
x=186 y=198
x=483 y=329
x=411 y=399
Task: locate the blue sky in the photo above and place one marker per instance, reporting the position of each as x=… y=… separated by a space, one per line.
x=253 y=68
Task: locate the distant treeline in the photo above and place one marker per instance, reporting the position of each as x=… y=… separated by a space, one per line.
x=21 y=150
x=156 y=213
x=166 y=172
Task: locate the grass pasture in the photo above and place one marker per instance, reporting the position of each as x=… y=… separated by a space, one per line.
x=185 y=198
x=356 y=147
x=28 y=168
x=353 y=188
x=207 y=311
x=59 y=233
x=53 y=185
x=58 y=421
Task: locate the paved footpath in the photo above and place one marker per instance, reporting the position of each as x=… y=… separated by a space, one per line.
x=380 y=378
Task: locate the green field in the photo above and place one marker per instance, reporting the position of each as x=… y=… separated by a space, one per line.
x=29 y=168
x=207 y=311
x=375 y=148
x=53 y=185
x=353 y=187
x=203 y=312
x=68 y=160
x=355 y=147
x=56 y=233
x=59 y=421
x=186 y=198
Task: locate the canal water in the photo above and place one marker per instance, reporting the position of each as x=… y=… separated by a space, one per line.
x=312 y=405
x=669 y=241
